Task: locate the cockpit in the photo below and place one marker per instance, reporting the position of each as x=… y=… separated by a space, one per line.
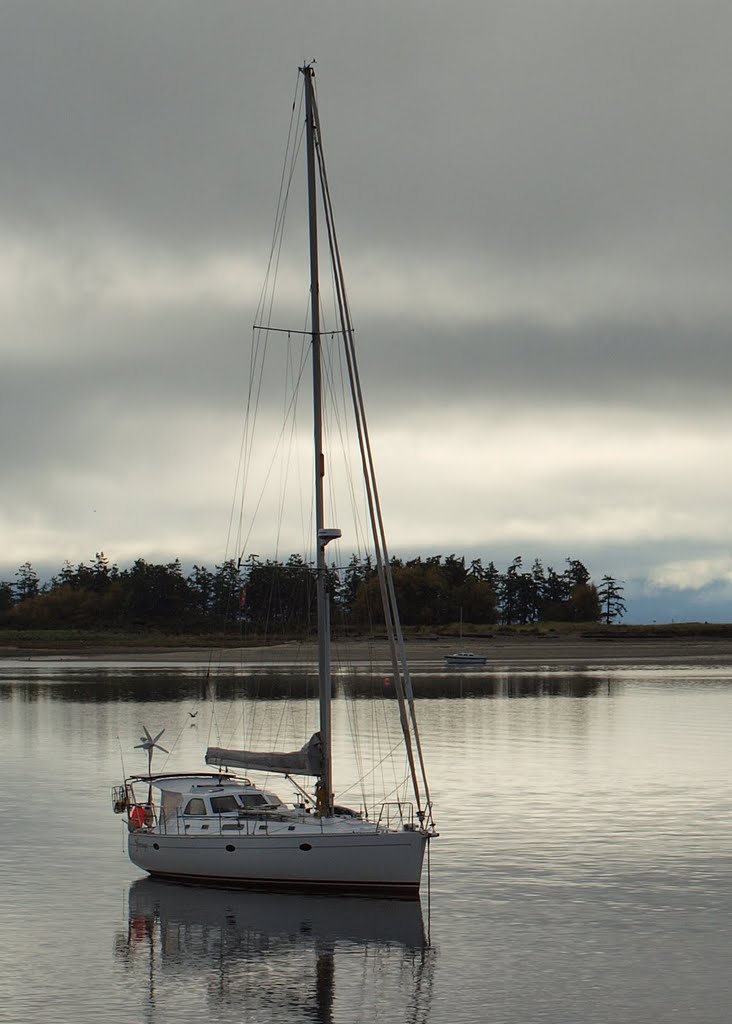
x=231 y=803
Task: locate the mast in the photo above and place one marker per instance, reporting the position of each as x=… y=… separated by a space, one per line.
x=322 y=535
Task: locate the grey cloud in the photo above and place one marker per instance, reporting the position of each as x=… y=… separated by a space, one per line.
x=537 y=129
x=621 y=364
x=574 y=157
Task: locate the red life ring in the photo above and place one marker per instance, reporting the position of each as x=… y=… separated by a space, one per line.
x=137 y=817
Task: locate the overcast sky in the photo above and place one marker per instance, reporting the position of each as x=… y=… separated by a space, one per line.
x=533 y=201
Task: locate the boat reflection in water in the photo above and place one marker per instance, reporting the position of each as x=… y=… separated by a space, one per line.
x=273 y=956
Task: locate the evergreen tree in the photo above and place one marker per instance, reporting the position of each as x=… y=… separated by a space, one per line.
x=509 y=592
x=27 y=583
x=156 y=595
x=6 y=596
x=610 y=595
x=272 y=595
x=576 y=573
x=227 y=593
x=201 y=586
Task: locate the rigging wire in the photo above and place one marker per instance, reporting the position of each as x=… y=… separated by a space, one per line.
x=263 y=317
x=341 y=350
x=402 y=680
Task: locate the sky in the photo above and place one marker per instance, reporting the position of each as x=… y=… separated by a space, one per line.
x=533 y=204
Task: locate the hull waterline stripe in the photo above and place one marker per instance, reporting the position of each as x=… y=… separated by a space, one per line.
x=405 y=891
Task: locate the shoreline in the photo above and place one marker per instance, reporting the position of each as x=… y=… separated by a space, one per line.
x=555 y=651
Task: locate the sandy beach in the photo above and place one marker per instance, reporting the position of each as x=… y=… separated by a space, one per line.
x=575 y=652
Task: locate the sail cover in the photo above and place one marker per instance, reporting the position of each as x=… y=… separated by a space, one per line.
x=306 y=761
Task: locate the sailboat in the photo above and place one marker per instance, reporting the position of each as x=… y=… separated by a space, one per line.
x=462 y=659
x=218 y=827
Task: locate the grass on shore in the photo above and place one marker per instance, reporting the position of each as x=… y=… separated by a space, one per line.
x=90 y=639
x=594 y=630
x=84 y=640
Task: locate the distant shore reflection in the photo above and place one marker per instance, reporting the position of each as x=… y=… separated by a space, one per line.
x=103 y=684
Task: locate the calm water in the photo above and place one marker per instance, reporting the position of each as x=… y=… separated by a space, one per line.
x=583 y=873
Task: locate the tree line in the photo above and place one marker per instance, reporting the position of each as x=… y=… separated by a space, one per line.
x=272 y=596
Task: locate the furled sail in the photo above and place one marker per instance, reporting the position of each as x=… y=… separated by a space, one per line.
x=306 y=761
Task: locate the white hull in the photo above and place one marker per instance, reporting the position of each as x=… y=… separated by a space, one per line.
x=383 y=863
x=465 y=659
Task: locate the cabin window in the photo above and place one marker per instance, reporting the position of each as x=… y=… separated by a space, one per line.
x=224 y=804
x=195 y=806
x=251 y=799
